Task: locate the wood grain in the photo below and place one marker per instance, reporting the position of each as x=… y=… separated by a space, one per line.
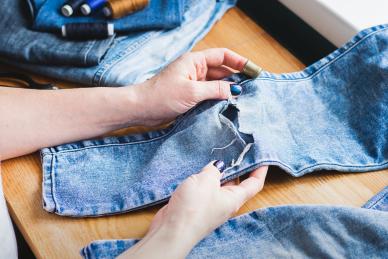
x=52 y=236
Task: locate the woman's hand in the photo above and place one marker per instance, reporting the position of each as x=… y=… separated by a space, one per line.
x=48 y=118
x=198 y=206
x=192 y=78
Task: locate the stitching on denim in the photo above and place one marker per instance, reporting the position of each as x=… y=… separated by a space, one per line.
x=88 y=211
x=374 y=203
x=296 y=173
x=52 y=182
x=320 y=67
x=89 y=48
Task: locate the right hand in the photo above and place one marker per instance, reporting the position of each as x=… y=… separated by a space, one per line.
x=198 y=206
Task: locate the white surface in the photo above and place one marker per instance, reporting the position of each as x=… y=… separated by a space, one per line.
x=339 y=20
x=7 y=238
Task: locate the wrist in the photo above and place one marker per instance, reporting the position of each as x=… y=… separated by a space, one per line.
x=163 y=241
x=143 y=103
x=132 y=105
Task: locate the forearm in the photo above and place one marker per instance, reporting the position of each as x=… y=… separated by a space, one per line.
x=164 y=242
x=33 y=119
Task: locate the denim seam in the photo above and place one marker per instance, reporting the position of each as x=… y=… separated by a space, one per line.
x=52 y=182
x=376 y=201
x=88 y=49
x=122 y=54
x=297 y=173
x=319 y=67
x=152 y=202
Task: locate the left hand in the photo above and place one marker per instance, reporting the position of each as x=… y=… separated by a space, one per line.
x=192 y=78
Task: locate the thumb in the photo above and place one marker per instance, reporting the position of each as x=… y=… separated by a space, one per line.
x=216 y=89
x=212 y=171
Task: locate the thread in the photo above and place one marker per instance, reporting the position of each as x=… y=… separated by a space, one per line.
x=91 y=6
x=70 y=6
x=119 y=8
x=84 y=31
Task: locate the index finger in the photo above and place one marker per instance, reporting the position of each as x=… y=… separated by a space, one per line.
x=224 y=57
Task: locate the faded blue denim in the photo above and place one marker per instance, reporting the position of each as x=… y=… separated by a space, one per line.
x=287 y=232
x=160 y=14
x=331 y=116
x=117 y=61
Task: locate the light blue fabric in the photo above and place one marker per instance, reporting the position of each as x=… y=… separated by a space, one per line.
x=160 y=14
x=287 y=232
x=130 y=59
x=379 y=201
x=331 y=116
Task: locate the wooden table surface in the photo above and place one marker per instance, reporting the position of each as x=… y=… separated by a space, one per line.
x=52 y=236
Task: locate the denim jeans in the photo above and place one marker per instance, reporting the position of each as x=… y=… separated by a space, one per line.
x=330 y=116
x=118 y=61
x=161 y=14
x=287 y=232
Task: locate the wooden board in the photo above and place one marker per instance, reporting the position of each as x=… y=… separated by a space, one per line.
x=52 y=236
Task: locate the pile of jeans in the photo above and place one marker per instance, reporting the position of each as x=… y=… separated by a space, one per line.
x=29 y=40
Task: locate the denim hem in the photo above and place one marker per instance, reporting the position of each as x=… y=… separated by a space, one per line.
x=98 y=209
x=377 y=199
x=48 y=200
x=50 y=204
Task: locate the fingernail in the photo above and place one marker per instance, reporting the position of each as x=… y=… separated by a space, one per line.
x=235 y=89
x=220 y=165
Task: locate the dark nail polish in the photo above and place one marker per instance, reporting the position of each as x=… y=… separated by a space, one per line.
x=220 y=165
x=235 y=89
